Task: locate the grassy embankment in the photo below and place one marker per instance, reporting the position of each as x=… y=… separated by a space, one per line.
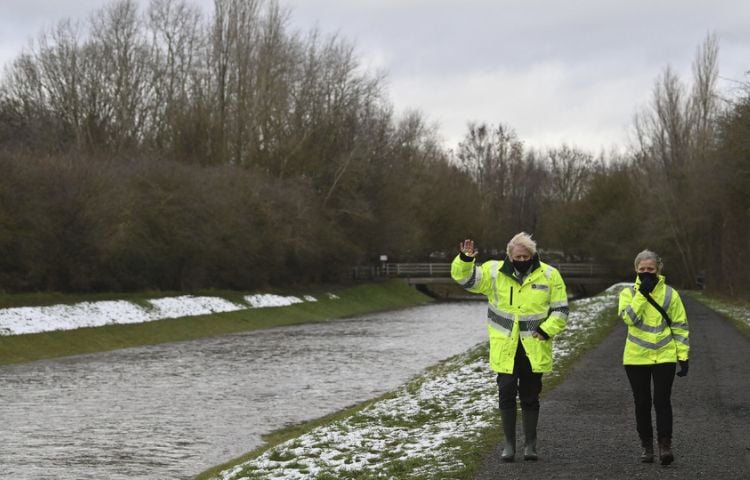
x=352 y=301
x=464 y=451
x=734 y=310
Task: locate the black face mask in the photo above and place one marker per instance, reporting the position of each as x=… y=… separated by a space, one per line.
x=522 y=266
x=648 y=277
x=648 y=282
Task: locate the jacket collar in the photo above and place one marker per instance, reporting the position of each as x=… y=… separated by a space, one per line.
x=662 y=280
x=507 y=267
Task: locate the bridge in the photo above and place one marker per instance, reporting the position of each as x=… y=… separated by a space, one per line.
x=580 y=278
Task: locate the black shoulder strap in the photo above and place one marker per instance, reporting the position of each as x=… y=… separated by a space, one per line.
x=659 y=308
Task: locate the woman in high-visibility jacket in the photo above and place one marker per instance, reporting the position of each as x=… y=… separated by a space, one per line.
x=658 y=339
x=528 y=305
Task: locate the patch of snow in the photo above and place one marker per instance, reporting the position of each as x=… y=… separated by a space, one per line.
x=618 y=286
x=270 y=300
x=186 y=305
x=22 y=320
x=25 y=320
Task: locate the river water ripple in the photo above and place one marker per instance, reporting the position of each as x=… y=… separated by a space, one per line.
x=170 y=411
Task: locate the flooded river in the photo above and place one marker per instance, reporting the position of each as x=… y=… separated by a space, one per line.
x=171 y=411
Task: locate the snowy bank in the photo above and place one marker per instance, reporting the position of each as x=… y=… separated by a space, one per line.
x=24 y=320
x=737 y=311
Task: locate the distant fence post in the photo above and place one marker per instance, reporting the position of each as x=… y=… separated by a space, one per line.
x=366 y=272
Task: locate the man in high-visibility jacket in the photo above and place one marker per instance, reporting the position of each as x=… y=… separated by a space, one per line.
x=528 y=306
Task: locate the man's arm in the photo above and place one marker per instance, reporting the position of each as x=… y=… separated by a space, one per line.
x=465 y=272
x=558 y=308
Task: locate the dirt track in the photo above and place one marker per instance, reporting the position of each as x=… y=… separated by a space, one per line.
x=587 y=424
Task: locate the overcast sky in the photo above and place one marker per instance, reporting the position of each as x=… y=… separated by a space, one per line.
x=557 y=72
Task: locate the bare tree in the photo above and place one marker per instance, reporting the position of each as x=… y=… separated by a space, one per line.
x=673 y=138
x=704 y=99
x=48 y=79
x=176 y=47
x=117 y=32
x=509 y=180
x=570 y=170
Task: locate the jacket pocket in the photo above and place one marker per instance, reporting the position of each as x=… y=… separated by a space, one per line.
x=539 y=353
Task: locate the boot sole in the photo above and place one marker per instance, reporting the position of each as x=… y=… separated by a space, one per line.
x=507 y=456
x=667 y=459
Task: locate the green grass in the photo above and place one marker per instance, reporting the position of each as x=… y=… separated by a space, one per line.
x=352 y=301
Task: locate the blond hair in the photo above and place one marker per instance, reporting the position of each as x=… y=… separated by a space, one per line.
x=522 y=239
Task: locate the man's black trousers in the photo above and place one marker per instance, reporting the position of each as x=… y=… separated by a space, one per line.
x=522 y=382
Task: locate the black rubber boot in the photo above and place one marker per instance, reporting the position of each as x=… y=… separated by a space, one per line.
x=509 y=428
x=665 y=451
x=647 y=454
x=530 y=419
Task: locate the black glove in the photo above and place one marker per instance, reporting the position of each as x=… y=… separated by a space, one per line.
x=542 y=333
x=683 y=368
x=647 y=284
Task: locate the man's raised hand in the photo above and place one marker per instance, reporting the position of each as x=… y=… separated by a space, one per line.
x=467 y=248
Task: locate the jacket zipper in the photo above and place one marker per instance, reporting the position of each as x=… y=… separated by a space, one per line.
x=511 y=295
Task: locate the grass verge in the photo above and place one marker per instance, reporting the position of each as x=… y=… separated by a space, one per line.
x=737 y=312
x=355 y=300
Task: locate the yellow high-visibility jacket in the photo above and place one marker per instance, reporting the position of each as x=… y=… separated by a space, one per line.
x=517 y=309
x=650 y=340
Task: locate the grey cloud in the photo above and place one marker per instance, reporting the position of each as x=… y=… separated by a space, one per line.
x=433 y=49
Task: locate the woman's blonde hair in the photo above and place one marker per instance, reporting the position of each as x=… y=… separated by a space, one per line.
x=648 y=255
x=522 y=239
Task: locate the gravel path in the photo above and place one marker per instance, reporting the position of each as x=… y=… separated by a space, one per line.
x=587 y=423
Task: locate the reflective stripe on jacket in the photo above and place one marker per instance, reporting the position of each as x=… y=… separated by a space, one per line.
x=517 y=309
x=650 y=340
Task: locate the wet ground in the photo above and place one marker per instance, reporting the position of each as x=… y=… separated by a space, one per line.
x=171 y=411
x=587 y=423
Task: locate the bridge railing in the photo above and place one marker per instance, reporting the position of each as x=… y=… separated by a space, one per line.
x=417 y=270
x=444 y=270
x=582 y=269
